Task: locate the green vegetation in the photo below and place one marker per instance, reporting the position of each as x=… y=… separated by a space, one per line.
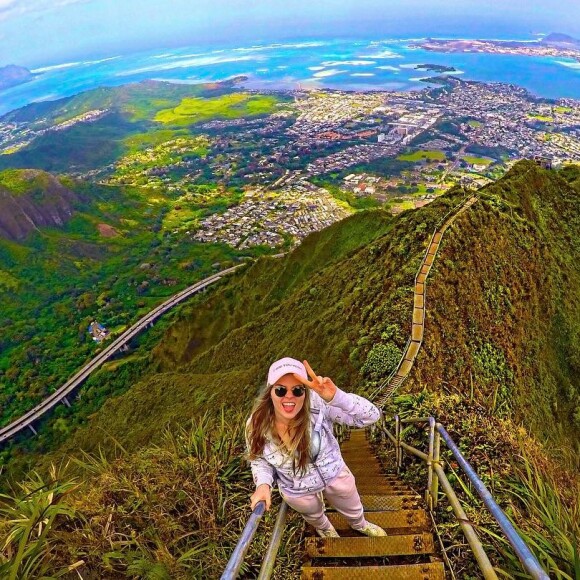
x=381 y=360
x=475 y=124
x=8 y=281
x=153 y=139
x=429 y=155
x=171 y=512
x=113 y=279
x=347 y=197
x=542 y=118
x=477 y=160
x=499 y=367
x=195 y=110
x=129 y=123
x=540 y=500
x=84 y=146
x=20 y=182
x=151 y=167
x=562 y=110
x=485 y=151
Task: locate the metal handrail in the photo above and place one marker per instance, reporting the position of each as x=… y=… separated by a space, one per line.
x=527 y=558
x=237 y=558
x=270 y=557
x=437 y=475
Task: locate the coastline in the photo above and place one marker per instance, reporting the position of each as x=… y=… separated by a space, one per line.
x=389 y=64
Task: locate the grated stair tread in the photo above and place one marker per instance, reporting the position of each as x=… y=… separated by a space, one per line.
x=348 y=547
x=427 y=571
x=388 y=520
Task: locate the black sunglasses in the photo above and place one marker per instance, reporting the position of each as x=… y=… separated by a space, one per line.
x=296 y=391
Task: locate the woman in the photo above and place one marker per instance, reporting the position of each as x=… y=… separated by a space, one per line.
x=290 y=436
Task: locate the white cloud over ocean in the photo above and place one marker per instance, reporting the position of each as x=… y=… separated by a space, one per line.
x=328 y=73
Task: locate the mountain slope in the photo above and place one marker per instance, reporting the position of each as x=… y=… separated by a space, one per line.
x=498 y=367
x=30 y=199
x=503 y=308
x=499 y=319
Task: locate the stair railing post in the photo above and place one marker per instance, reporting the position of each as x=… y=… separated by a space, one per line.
x=398 y=449
x=436 y=461
x=428 y=496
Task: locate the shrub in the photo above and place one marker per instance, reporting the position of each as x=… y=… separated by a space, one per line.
x=381 y=360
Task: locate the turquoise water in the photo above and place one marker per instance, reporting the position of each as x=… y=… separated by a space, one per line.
x=342 y=64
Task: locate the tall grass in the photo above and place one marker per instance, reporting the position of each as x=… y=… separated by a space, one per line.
x=548 y=522
x=27 y=520
x=172 y=511
x=545 y=510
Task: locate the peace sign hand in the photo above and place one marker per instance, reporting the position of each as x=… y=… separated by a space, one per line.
x=322 y=385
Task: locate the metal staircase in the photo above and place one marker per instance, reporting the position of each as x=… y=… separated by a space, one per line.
x=407 y=553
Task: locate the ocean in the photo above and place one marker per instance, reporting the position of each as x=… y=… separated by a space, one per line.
x=340 y=64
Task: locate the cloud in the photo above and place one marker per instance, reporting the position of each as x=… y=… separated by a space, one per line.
x=328 y=73
x=15 y=8
x=186 y=63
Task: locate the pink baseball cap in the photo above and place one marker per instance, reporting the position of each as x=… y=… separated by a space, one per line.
x=283 y=367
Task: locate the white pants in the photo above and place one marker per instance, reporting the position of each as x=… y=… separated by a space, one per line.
x=341 y=494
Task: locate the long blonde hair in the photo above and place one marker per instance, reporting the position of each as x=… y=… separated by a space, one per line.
x=261 y=426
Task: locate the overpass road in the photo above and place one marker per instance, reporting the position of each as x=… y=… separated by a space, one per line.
x=27 y=420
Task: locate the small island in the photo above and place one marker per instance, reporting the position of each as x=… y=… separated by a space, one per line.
x=439 y=68
x=553 y=45
x=12 y=75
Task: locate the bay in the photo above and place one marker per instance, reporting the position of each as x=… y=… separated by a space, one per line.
x=346 y=64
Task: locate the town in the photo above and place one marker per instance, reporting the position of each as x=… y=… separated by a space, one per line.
x=323 y=154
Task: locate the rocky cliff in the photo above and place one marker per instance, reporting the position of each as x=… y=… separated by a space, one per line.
x=30 y=199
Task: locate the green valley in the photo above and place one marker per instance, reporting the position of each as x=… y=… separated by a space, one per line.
x=113 y=200
x=505 y=385
x=194 y=110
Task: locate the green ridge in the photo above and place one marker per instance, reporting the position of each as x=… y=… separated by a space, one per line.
x=499 y=366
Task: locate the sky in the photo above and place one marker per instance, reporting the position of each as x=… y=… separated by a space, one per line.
x=37 y=33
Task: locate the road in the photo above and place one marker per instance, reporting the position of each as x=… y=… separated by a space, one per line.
x=57 y=397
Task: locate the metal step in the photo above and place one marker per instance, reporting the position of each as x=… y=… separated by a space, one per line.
x=381 y=502
x=387 y=520
x=430 y=571
x=386 y=491
x=400 y=545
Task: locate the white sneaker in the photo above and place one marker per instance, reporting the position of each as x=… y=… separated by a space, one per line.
x=372 y=530
x=328 y=533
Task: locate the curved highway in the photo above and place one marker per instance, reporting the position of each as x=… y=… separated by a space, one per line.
x=52 y=400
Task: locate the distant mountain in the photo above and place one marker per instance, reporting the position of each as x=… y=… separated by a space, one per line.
x=30 y=199
x=13 y=75
x=561 y=40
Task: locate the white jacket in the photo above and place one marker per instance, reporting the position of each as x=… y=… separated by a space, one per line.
x=345 y=409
